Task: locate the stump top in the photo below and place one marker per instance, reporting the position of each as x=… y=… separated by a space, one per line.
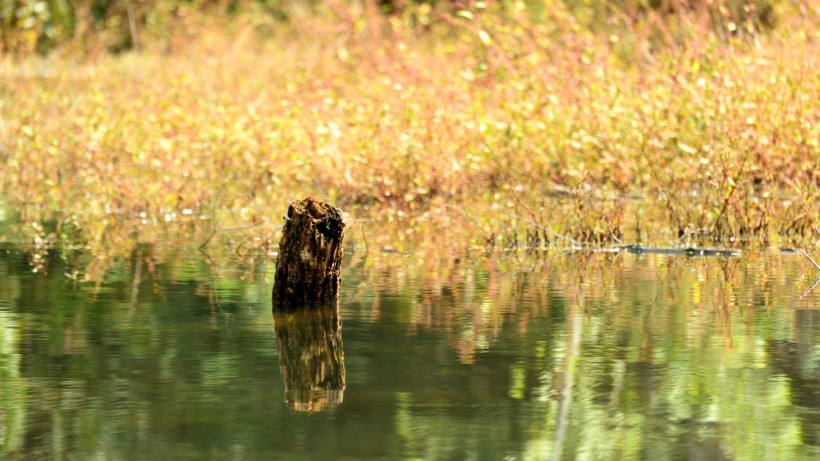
x=327 y=218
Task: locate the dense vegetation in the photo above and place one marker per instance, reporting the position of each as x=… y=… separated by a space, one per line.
x=449 y=123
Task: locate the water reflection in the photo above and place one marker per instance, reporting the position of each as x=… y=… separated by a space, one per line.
x=12 y=389
x=311 y=358
x=612 y=357
x=578 y=356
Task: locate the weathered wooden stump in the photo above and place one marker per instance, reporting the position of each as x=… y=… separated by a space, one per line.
x=308 y=271
x=311 y=358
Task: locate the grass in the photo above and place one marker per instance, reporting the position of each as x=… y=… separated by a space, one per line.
x=432 y=133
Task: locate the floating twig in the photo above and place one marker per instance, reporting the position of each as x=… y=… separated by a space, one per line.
x=226 y=229
x=810 y=258
x=810 y=289
x=554 y=234
x=815 y=265
x=474 y=221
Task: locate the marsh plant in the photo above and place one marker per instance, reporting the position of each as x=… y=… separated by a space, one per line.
x=598 y=121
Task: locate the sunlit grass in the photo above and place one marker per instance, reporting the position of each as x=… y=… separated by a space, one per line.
x=452 y=130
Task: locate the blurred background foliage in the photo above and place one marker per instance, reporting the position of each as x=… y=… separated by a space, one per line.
x=438 y=124
x=119 y=25
x=42 y=25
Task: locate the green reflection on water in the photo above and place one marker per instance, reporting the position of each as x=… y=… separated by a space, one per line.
x=12 y=390
x=575 y=358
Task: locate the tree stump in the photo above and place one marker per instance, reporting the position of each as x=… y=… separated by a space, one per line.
x=308 y=271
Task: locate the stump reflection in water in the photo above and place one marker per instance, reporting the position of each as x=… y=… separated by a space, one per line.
x=311 y=358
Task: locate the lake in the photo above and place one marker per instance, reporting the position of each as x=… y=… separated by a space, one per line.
x=500 y=356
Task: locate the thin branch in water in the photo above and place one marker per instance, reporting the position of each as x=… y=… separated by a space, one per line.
x=573 y=352
x=225 y=229
x=554 y=234
x=248 y=226
x=532 y=266
x=135 y=285
x=810 y=289
x=815 y=265
x=472 y=220
x=364 y=239
x=214 y=270
x=810 y=258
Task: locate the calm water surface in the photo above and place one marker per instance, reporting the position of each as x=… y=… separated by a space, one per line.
x=531 y=357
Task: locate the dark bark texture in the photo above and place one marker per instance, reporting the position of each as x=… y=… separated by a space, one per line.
x=308 y=271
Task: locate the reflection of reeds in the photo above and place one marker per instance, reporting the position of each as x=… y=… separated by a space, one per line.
x=311 y=358
x=471 y=299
